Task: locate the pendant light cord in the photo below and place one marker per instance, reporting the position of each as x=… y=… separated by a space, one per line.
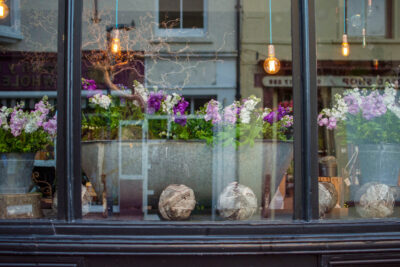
x=116 y=14
x=270 y=22
x=344 y=17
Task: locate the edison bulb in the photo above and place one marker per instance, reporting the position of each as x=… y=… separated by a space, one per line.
x=3 y=10
x=115 y=42
x=345 y=46
x=271 y=63
x=115 y=46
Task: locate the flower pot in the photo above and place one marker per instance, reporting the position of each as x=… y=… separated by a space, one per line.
x=379 y=163
x=204 y=168
x=16 y=172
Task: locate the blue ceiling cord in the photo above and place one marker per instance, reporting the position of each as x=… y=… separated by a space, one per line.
x=116 y=14
x=270 y=22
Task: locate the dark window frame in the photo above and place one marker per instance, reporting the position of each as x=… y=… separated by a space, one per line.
x=305 y=234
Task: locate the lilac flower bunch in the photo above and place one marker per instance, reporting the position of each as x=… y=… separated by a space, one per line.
x=179 y=111
x=154 y=102
x=27 y=131
x=90 y=86
x=368 y=116
x=248 y=121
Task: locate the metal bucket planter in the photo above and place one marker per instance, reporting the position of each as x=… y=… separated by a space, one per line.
x=16 y=172
x=204 y=168
x=379 y=163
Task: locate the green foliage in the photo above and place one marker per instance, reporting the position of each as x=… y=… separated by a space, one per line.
x=358 y=130
x=24 y=143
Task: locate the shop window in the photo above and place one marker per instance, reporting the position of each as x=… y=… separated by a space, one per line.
x=359 y=113
x=163 y=137
x=28 y=111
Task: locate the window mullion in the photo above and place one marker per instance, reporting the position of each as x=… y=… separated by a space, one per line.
x=68 y=117
x=305 y=110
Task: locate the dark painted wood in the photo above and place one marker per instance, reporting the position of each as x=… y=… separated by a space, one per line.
x=304 y=82
x=68 y=110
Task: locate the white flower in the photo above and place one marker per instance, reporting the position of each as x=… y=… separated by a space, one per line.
x=101 y=100
x=141 y=90
x=169 y=103
x=247 y=108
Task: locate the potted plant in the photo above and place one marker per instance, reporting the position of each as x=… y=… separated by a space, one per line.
x=369 y=120
x=22 y=134
x=163 y=144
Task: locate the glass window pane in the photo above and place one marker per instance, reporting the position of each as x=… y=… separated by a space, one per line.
x=28 y=126
x=169 y=14
x=163 y=135
x=359 y=141
x=193 y=11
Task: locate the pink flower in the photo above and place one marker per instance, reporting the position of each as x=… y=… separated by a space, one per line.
x=213 y=112
x=332 y=123
x=51 y=126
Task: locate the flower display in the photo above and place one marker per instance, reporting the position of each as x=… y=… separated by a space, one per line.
x=365 y=116
x=242 y=121
x=27 y=131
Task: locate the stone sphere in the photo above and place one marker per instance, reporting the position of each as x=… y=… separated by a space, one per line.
x=237 y=202
x=327 y=196
x=375 y=200
x=176 y=202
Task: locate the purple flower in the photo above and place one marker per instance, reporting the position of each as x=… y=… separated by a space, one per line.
x=41 y=106
x=332 y=123
x=230 y=114
x=51 y=126
x=352 y=104
x=90 y=85
x=179 y=109
x=281 y=112
x=154 y=102
x=275 y=116
x=373 y=106
x=212 y=112
x=271 y=117
x=17 y=123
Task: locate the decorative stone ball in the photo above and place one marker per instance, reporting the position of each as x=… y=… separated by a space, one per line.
x=237 y=202
x=176 y=202
x=328 y=197
x=375 y=200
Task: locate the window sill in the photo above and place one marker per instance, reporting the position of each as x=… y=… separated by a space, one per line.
x=183 y=40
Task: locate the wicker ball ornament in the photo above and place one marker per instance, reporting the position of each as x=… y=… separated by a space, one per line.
x=375 y=200
x=328 y=197
x=176 y=202
x=237 y=202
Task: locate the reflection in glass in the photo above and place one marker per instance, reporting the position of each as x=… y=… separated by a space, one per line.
x=359 y=141
x=28 y=120
x=164 y=133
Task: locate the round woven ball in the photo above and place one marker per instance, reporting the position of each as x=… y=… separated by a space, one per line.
x=375 y=200
x=176 y=202
x=327 y=196
x=237 y=202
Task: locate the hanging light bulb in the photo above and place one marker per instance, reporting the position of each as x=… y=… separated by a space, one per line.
x=115 y=43
x=376 y=64
x=345 y=46
x=3 y=10
x=271 y=63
